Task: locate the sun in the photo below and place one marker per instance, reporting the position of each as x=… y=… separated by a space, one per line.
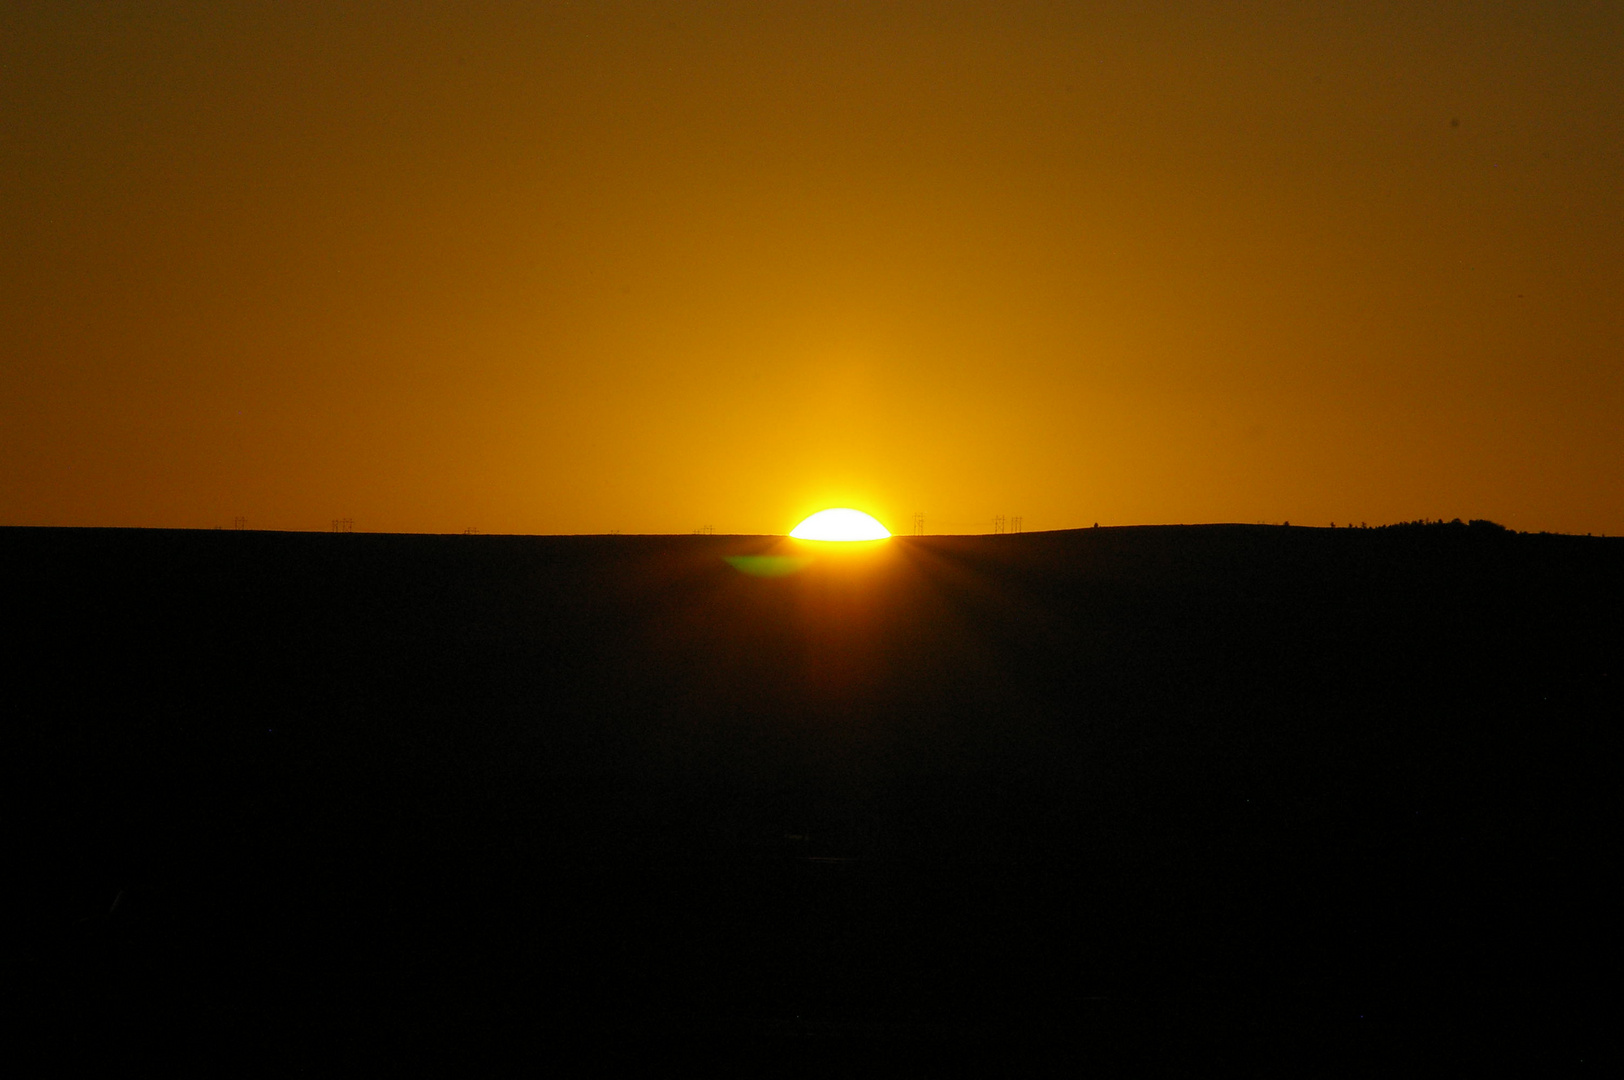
x=839 y=524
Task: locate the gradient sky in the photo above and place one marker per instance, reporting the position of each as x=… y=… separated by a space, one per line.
x=593 y=266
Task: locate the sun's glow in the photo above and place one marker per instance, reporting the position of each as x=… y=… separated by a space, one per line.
x=839 y=524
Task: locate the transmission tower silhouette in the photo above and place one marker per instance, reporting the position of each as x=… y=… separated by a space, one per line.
x=919 y=525
x=343 y=525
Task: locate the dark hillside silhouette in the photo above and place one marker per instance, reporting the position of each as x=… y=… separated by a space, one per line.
x=1264 y=787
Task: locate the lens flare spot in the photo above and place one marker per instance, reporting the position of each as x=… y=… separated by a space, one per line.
x=767 y=565
x=839 y=524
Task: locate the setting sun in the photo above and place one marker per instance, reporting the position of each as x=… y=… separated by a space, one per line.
x=840 y=524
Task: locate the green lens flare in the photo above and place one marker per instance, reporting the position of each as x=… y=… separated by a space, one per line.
x=767 y=565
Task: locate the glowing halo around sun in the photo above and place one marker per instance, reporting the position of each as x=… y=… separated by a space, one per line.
x=839 y=524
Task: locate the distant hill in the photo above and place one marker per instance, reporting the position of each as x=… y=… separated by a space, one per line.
x=1263 y=786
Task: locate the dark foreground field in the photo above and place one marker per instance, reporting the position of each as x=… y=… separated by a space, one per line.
x=1221 y=797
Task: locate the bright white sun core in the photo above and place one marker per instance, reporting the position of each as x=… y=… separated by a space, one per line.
x=840 y=524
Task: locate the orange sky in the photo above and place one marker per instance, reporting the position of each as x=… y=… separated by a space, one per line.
x=582 y=267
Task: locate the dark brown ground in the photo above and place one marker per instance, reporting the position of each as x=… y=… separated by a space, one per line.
x=1220 y=796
